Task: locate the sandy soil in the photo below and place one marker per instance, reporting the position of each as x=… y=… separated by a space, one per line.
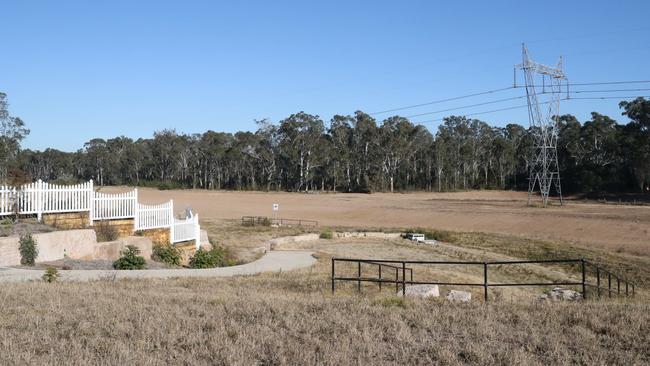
x=616 y=227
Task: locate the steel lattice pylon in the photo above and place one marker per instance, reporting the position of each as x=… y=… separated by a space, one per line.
x=544 y=169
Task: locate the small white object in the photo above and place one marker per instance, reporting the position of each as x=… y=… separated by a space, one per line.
x=416 y=237
x=276 y=207
x=422 y=291
x=461 y=296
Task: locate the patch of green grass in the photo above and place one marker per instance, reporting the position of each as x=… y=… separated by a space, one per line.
x=326 y=234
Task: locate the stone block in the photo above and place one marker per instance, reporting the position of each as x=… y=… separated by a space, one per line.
x=422 y=291
x=460 y=296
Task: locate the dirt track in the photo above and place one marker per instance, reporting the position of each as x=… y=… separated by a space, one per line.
x=609 y=226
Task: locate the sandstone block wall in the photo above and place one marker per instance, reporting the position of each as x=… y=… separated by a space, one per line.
x=157 y=236
x=67 y=221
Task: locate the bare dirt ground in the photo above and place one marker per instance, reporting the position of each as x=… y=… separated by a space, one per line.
x=614 y=227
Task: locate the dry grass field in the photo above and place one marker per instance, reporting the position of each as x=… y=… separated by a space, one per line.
x=293 y=318
x=612 y=227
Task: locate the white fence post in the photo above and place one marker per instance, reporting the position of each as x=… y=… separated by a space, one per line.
x=91 y=202
x=171 y=222
x=136 y=219
x=39 y=200
x=197 y=231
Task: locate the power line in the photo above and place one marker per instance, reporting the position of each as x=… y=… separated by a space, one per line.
x=484 y=112
x=590 y=83
x=466 y=106
x=607 y=91
x=504 y=89
x=526 y=105
x=515 y=98
x=442 y=100
x=610 y=97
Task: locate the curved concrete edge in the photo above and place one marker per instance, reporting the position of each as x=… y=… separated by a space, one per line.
x=274 y=261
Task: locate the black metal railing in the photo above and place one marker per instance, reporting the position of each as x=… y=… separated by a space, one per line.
x=400 y=267
x=267 y=221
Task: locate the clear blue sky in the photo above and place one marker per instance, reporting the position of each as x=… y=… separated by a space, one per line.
x=74 y=70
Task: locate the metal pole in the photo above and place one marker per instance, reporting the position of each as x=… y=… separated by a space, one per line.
x=359 y=278
x=626 y=293
x=618 y=285
x=380 y=278
x=598 y=281
x=332 y=275
x=396 y=277
x=584 y=287
x=403 y=278
x=632 y=290
x=485 y=281
x=609 y=284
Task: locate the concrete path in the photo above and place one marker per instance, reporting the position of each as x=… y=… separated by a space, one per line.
x=273 y=261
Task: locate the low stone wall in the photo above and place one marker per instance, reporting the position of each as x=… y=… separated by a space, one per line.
x=363 y=234
x=278 y=242
x=158 y=236
x=51 y=246
x=111 y=249
x=76 y=244
x=124 y=227
x=67 y=221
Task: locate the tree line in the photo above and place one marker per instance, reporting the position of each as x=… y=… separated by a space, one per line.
x=349 y=153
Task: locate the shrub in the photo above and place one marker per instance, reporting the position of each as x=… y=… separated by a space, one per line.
x=203 y=259
x=167 y=253
x=28 y=250
x=106 y=232
x=51 y=275
x=327 y=234
x=5 y=227
x=130 y=259
x=216 y=257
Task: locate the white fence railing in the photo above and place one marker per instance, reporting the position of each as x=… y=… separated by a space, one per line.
x=187 y=230
x=154 y=216
x=7 y=200
x=40 y=197
x=112 y=206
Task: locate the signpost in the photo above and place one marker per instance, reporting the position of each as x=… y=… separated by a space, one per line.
x=276 y=208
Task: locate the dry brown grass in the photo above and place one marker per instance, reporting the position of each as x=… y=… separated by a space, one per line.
x=292 y=319
x=610 y=227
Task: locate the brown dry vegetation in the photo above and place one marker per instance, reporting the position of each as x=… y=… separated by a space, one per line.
x=292 y=318
x=610 y=227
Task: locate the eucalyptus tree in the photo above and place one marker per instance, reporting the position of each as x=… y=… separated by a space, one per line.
x=299 y=138
x=12 y=132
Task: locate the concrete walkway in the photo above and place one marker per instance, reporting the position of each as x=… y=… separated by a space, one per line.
x=273 y=261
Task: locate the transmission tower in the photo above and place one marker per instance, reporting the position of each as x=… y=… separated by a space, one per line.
x=545 y=83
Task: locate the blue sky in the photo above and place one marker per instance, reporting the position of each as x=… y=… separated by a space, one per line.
x=74 y=70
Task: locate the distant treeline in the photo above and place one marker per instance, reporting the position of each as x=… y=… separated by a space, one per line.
x=355 y=154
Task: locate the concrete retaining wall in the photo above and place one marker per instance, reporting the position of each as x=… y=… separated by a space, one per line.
x=77 y=244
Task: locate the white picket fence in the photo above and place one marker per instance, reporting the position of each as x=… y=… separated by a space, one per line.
x=40 y=197
x=154 y=216
x=187 y=230
x=113 y=206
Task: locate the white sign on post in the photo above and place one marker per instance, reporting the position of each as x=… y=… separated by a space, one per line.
x=276 y=208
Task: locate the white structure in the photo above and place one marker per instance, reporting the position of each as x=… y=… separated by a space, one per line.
x=39 y=197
